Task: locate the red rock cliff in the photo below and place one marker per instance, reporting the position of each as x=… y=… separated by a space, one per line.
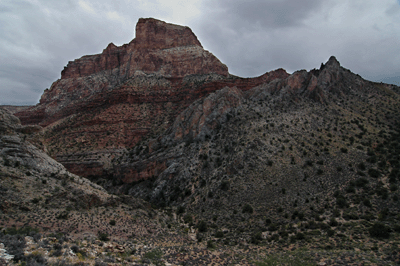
x=108 y=102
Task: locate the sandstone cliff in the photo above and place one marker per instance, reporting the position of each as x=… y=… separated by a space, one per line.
x=111 y=101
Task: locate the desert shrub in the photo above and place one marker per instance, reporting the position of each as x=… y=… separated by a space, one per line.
x=100 y=263
x=350 y=216
x=361 y=182
x=56 y=253
x=63 y=215
x=112 y=222
x=374 y=173
x=360 y=173
x=153 y=256
x=103 y=236
x=308 y=163
x=256 y=238
x=300 y=236
x=24 y=231
x=379 y=230
x=333 y=222
x=202 y=226
x=210 y=244
x=180 y=210
x=188 y=218
x=396 y=228
x=341 y=202
x=224 y=185
x=219 y=234
x=14 y=244
x=273 y=227
x=372 y=159
x=274 y=237
x=36 y=200
x=330 y=232
x=35 y=259
x=344 y=150
x=247 y=209
x=367 y=203
x=361 y=166
x=75 y=249
x=382 y=192
x=350 y=189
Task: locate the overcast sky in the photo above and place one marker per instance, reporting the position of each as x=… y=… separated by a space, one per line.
x=39 y=37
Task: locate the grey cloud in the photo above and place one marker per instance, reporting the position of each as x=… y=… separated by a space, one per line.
x=245 y=15
x=37 y=41
x=253 y=37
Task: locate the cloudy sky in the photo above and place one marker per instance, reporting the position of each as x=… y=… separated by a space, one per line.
x=39 y=37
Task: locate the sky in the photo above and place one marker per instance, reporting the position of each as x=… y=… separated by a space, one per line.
x=39 y=37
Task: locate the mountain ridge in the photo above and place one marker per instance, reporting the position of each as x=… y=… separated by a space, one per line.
x=276 y=164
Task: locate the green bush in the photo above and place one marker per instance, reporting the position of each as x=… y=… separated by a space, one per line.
x=219 y=234
x=361 y=182
x=202 y=226
x=256 y=238
x=247 y=209
x=367 y=203
x=155 y=255
x=210 y=244
x=350 y=189
x=188 y=218
x=103 y=236
x=341 y=202
x=374 y=173
x=180 y=210
x=379 y=230
x=361 y=166
x=225 y=185
x=330 y=232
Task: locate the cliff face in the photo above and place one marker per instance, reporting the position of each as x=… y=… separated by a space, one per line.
x=25 y=166
x=202 y=119
x=108 y=102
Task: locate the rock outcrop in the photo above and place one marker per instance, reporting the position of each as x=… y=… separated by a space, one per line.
x=23 y=165
x=106 y=103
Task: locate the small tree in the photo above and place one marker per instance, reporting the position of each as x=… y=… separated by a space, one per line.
x=379 y=230
x=247 y=209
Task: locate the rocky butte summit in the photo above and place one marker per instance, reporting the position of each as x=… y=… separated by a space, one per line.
x=108 y=102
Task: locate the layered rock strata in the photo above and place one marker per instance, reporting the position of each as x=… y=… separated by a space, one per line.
x=106 y=103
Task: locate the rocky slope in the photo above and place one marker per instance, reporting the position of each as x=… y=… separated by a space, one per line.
x=49 y=216
x=313 y=156
x=108 y=102
x=27 y=173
